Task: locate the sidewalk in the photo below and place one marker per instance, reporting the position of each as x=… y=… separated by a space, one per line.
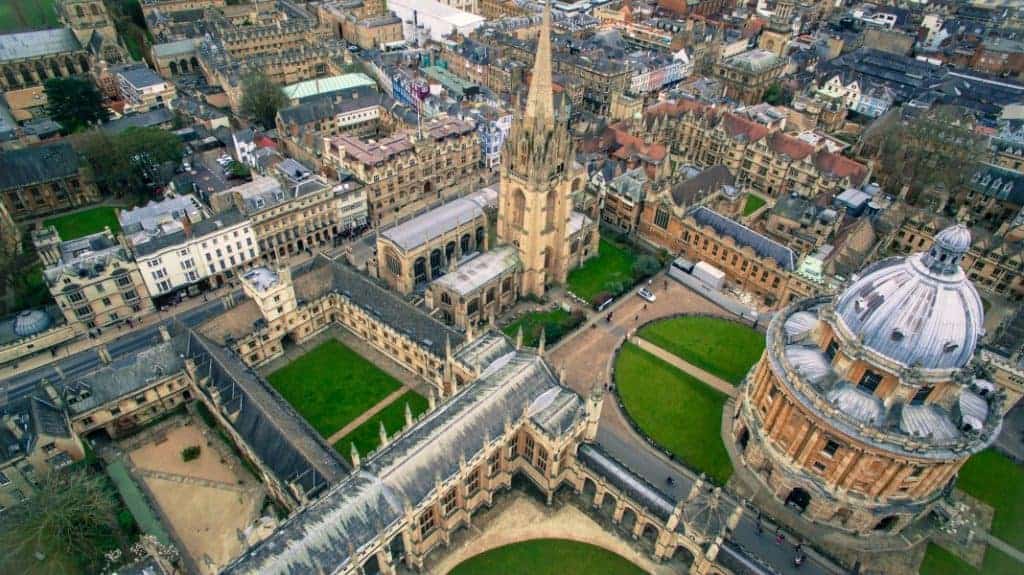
x=391 y=398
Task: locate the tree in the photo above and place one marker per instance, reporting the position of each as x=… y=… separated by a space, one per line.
x=64 y=527
x=133 y=162
x=934 y=148
x=777 y=94
x=74 y=103
x=262 y=98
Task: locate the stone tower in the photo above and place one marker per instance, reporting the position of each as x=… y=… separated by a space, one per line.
x=536 y=179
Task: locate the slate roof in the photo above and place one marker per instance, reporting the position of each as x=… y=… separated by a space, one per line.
x=33 y=415
x=149 y=119
x=32 y=166
x=592 y=456
x=39 y=43
x=744 y=236
x=124 y=376
x=480 y=270
x=425 y=227
x=316 y=109
x=153 y=244
x=709 y=181
x=323 y=536
x=1000 y=183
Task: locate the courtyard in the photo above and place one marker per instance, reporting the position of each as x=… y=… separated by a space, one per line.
x=547 y=557
x=331 y=385
x=723 y=348
x=366 y=436
x=555 y=324
x=674 y=409
x=207 y=501
x=85 y=222
x=611 y=272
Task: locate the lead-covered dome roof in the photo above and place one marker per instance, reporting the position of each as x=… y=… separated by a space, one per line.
x=920 y=311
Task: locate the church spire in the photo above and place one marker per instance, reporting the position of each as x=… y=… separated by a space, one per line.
x=540 y=100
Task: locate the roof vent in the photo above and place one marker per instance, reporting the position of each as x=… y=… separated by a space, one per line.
x=897 y=334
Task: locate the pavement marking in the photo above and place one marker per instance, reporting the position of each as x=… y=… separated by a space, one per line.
x=685 y=366
x=337 y=435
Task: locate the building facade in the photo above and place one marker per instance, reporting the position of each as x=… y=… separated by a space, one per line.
x=538 y=179
x=43 y=179
x=862 y=408
x=94 y=280
x=31 y=58
x=410 y=170
x=479 y=290
x=747 y=76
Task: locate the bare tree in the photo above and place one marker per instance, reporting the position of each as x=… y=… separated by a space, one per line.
x=933 y=148
x=62 y=528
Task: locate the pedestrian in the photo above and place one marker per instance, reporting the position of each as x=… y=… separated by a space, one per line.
x=758 y=528
x=779 y=537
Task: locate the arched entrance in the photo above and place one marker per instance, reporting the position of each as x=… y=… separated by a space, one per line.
x=798 y=499
x=650 y=534
x=742 y=438
x=589 y=491
x=608 y=505
x=683 y=555
x=887 y=523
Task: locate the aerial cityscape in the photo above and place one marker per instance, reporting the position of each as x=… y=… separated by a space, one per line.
x=511 y=287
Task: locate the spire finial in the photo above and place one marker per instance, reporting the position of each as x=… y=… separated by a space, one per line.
x=539 y=101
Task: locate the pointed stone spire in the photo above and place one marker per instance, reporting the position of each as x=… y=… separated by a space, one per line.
x=432 y=399
x=383 y=433
x=408 y=415
x=540 y=101
x=540 y=345
x=354 y=454
x=519 y=338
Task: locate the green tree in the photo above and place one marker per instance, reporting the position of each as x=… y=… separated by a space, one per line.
x=777 y=94
x=262 y=98
x=74 y=103
x=64 y=527
x=132 y=163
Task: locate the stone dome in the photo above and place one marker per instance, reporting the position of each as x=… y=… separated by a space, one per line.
x=31 y=322
x=920 y=311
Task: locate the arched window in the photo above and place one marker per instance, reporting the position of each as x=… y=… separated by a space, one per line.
x=518 y=207
x=661 y=217
x=464 y=244
x=435 y=263
x=79 y=11
x=419 y=270
x=480 y=238
x=449 y=251
x=174 y=68
x=445 y=298
x=473 y=306
x=94 y=9
x=550 y=209
x=394 y=265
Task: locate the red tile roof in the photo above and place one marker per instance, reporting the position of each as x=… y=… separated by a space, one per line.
x=839 y=166
x=793 y=148
x=742 y=128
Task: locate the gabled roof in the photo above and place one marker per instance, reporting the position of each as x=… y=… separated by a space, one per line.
x=31 y=166
x=839 y=166
x=744 y=236
x=743 y=129
x=793 y=148
x=27 y=45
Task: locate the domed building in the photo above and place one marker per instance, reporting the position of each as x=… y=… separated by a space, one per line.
x=864 y=405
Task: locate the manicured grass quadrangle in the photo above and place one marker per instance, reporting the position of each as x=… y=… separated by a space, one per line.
x=85 y=222
x=680 y=413
x=719 y=346
x=752 y=204
x=366 y=437
x=995 y=479
x=547 y=557
x=613 y=264
x=25 y=15
x=332 y=385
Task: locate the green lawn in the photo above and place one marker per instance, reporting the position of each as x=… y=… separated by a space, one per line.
x=24 y=15
x=753 y=204
x=85 y=222
x=612 y=265
x=367 y=436
x=547 y=557
x=938 y=561
x=993 y=478
x=332 y=385
x=555 y=324
x=719 y=346
x=674 y=409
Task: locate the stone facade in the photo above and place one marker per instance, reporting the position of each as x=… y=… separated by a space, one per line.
x=94 y=280
x=478 y=291
x=410 y=170
x=44 y=179
x=747 y=76
x=31 y=58
x=835 y=422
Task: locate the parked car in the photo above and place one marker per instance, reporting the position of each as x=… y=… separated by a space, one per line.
x=646 y=294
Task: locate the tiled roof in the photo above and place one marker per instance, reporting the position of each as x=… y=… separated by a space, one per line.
x=839 y=166
x=709 y=181
x=793 y=148
x=743 y=129
x=39 y=43
x=30 y=166
x=744 y=236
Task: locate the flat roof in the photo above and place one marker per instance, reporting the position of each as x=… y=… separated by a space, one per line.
x=436 y=222
x=480 y=270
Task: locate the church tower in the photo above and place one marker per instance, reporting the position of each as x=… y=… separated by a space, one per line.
x=537 y=179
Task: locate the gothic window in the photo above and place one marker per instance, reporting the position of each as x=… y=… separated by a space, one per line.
x=419 y=270
x=435 y=262
x=480 y=238
x=473 y=306
x=518 y=207
x=79 y=12
x=830 y=351
x=448 y=503
x=661 y=217
x=473 y=483
x=549 y=209
x=449 y=251
x=921 y=395
x=394 y=266
x=445 y=298
x=490 y=295
x=494 y=464
x=464 y=244
x=528 y=454
x=94 y=9
x=427 y=523
x=542 y=459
